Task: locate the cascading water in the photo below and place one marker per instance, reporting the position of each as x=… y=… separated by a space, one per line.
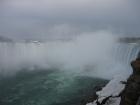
x=123 y=54
x=126 y=52
x=60 y=73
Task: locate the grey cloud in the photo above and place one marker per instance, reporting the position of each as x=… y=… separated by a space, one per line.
x=34 y=19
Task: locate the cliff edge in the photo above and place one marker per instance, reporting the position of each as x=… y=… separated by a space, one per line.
x=131 y=93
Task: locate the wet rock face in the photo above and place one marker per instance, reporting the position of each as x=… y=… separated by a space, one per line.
x=131 y=93
x=136 y=66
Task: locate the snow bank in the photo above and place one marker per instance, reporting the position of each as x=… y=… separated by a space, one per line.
x=113 y=89
x=111 y=101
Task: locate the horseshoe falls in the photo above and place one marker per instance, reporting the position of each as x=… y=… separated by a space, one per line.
x=61 y=72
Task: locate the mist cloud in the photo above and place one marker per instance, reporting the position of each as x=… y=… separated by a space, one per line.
x=89 y=53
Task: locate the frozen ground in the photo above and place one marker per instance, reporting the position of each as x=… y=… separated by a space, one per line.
x=112 y=90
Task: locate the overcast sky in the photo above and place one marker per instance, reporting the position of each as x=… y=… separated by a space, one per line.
x=43 y=19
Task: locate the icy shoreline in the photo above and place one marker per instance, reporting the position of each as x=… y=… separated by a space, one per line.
x=111 y=92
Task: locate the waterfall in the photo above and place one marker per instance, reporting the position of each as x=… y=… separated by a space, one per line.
x=126 y=52
x=123 y=54
x=19 y=54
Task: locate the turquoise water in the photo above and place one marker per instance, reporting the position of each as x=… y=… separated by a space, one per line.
x=46 y=87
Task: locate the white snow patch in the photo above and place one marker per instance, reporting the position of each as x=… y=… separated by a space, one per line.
x=111 y=101
x=114 y=101
x=113 y=88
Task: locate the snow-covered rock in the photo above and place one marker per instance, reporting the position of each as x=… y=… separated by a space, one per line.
x=111 y=101
x=111 y=90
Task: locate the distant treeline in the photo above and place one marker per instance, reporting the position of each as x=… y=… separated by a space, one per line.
x=5 y=39
x=130 y=40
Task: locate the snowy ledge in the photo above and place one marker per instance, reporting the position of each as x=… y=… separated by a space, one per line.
x=110 y=94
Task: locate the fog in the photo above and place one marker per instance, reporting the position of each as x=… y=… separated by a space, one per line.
x=84 y=53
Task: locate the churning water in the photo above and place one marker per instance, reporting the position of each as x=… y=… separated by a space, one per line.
x=47 y=87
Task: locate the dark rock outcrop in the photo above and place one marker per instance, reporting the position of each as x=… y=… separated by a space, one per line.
x=131 y=93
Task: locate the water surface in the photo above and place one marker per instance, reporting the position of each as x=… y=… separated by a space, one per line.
x=46 y=87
